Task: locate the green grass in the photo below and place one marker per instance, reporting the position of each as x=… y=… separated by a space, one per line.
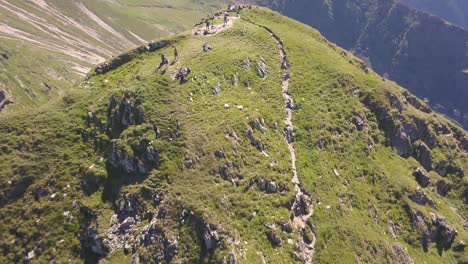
x=48 y=60
x=54 y=147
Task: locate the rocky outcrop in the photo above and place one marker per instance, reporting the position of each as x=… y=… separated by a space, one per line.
x=261 y=68
x=274 y=238
x=421 y=177
x=421 y=198
x=460 y=246
x=269 y=186
x=442 y=187
x=416 y=103
x=258 y=124
x=92 y=244
x=443 y=235
x=255 y=142
x=393 y=229
x=216 y=89
x=289 y=134
x=123 y=113
x=230 y=259
x=424 y=156
x=153 y=236
x=437 y=231
x=419 y=223
x=129 y=164
x=359 y=121
x=401 y=254
x=409 y=136
x=120 y=60
x=210 y=237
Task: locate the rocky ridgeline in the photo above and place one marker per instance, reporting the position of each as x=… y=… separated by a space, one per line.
x=128 y=56
x=412 y=136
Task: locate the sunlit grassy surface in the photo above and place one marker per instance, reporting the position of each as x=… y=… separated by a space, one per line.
x=52 y=148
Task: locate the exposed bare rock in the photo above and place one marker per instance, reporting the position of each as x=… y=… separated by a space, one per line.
x=460 y=246
x=230 y=259
x=442 y=187
x=274 y=238
x=289 y=134
x=156 y=238
x=258 y=124
x=261 y=68
x=419 y=221
x=287 y=227
x=91 y=242
x=416 y=103
x=247 y=64
x=421 y=177
x=269 y=186
x=401 y=254
x=255 y=142
x=441 y=168
x=220 y=154
x=144 y=159
x=421 y=198
x=424 y=156
x=444 y=235
x=393 y=229
x=395 y=102
x=123 y=113
x=359 y=121
x=216 y=89
x=441 y=128
x=210 y=237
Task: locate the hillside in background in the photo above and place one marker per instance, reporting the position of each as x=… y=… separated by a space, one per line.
x=280 y=148
x=454 y=11
x=46 y=46
x=420 y=52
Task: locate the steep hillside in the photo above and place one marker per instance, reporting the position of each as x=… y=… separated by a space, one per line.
x=455 y=11
x=417 y=50
x=279 y=148
x=52 y=44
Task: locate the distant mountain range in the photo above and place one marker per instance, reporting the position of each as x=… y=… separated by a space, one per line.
x=454 y=11
x=418 y=51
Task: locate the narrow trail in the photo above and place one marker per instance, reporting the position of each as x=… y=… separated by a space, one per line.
x=215 y=29
x=302 y=206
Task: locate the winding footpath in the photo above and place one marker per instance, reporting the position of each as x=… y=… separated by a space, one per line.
x=302 y=206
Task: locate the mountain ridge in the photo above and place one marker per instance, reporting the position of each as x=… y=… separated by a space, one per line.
x=419 y=51
x=135 y=166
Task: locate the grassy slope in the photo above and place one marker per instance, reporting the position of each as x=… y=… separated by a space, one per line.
x=353 y=195
x=54 y=148
x=35 y=64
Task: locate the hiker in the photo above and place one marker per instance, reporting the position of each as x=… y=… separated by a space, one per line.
x=207 y=23
x=284 y=65
x=206 y=47
x=176 y=54
x=164 y=61
x=225 y=19
x=182 y=74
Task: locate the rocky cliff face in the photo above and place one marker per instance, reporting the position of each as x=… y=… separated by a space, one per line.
x=418 y=51
x=454 y=11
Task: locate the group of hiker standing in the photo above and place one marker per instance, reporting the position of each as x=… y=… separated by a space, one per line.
x=182 y=73
x=209 y=23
